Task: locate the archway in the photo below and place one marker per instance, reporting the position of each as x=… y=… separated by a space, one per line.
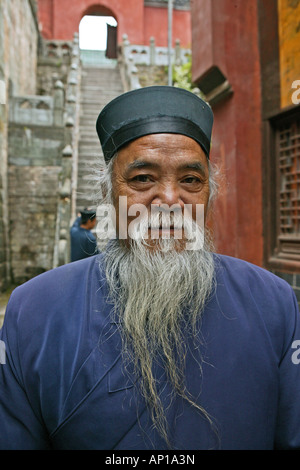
x=98 y=36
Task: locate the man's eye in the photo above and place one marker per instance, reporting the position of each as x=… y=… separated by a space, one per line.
x=191 y=180
x=142 y=178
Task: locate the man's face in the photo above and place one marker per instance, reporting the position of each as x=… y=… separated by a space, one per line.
x=161 y=169
x=93 y=222
x=159 y=282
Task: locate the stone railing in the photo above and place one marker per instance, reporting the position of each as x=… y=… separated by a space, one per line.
x=58 y=49
x=128 y=69
x=68 y=177
x=131 y=55
x=37 y=110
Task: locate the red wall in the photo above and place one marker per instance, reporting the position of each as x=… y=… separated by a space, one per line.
x=225 y=34
x=156 y=25
x=59 y=19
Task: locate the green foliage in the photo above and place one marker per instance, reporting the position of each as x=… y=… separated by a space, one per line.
x=182 y=77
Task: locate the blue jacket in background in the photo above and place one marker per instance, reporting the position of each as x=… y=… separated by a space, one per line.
x=83 y=242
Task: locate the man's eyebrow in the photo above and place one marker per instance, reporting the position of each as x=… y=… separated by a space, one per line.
x=194 y=166
x=137 y=164
x=140 y=164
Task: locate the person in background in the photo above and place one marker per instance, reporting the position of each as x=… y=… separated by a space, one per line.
x=83 y=242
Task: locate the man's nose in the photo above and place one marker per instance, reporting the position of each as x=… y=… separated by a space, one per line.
x=168 y=194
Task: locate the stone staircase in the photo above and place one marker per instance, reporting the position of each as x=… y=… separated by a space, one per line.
x=99 y=85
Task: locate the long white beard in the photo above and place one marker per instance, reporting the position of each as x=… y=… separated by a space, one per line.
x=159 y=296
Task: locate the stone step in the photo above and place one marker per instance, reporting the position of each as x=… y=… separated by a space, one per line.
x=100 y=77
x=89 y=198
x=92 y=104
x=85 y=170
x=89 y=137
x=103 y=92
x=88 y=119
x=89 y=157
x=104 y=84
x=100 y=92
x=86 y=167
x=90 y=112
x=89 y=147
x=87 y=191
x=108 y=84
x=89 y=144
x=98 y=87
x=89 y=151
x=88 y=128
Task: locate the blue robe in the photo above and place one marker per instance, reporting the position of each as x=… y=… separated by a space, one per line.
x=63 y=384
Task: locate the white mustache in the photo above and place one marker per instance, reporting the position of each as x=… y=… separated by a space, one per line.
x=163 y=220
x=167 y=221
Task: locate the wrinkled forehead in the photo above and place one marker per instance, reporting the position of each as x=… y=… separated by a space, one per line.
x=164 y=153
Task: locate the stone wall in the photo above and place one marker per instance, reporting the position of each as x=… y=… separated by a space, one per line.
x=19 y=41
x=34 y=166
x=32 y=208
x=33 y=77
x=40 y=135
x=33 y=134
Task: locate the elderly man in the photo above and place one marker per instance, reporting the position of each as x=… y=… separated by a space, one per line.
x=157 y=342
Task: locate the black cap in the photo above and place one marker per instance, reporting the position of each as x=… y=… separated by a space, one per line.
x=154 y=110
x=88 y=213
